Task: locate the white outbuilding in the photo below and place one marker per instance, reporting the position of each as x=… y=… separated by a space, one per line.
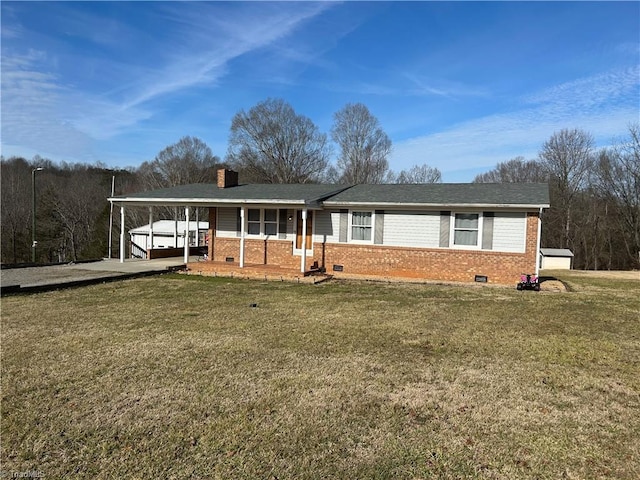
x=556 y=259
x=166 y=234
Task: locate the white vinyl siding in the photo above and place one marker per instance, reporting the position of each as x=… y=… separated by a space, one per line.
x=227 y=222
x=509 y=232
x=407 y=229
x=327 y=227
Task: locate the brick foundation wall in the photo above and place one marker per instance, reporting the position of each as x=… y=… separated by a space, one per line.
x=260 y=252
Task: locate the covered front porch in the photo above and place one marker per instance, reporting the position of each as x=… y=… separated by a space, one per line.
x=269 y=227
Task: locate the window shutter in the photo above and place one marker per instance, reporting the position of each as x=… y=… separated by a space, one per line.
x=282 y=224
x=487 y=231
x=378 y=227
x=344 y=225
x=445 y=226
x=238 y=220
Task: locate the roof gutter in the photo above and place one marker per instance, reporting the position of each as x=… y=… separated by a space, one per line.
x=530 y=206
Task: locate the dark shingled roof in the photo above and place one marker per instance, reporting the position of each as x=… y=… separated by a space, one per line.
x=533 y=194
x=314 y=195
x=309 y=194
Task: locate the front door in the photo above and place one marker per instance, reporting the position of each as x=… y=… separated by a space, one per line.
x=299 y=230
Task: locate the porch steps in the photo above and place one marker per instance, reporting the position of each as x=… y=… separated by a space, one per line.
x=255 y=272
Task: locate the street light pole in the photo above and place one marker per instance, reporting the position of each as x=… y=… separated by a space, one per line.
x=33 y=214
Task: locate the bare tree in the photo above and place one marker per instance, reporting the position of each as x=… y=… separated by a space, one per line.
x=516 y=170
x=272 y=144
x=77 y=204
x=16 y=210
x=618 y=180
x=419 y=174
x=567 y=157
x=189 y=160
x=364 y=146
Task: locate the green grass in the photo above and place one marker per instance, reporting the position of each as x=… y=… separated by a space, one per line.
x=179 y=377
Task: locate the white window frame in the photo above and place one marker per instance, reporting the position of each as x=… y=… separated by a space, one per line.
x=262 y=233
x=452 y=232
x=263 y=224
x=350 y=238
x=253 y=222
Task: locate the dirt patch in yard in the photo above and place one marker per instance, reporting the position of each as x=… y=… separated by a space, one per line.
x=552 y=284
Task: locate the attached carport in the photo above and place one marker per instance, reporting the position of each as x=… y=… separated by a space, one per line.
x=228 y=193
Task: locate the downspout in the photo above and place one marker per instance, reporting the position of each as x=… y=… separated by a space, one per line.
x=242 y=211
x=538 y=242
x=303 y=259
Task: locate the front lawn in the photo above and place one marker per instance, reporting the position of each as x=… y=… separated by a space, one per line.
x=182 y=377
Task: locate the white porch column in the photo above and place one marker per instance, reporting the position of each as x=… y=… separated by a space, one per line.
x=303 y=259
x=538 y=241
x=150 y=243
x=175 y=227
x=242 y=212
x=186 y=235
x=123 y=247
x=197 y=227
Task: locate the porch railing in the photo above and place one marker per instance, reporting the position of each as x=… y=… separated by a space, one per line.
x=137 y=251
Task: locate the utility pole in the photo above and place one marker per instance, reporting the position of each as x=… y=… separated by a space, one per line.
x=113 y=185
x=33 y=214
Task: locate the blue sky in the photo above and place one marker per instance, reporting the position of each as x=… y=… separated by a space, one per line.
x=460 y=86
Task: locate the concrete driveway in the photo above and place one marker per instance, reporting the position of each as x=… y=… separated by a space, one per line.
x=58 y=275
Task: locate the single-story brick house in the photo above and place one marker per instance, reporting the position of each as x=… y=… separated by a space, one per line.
x=444 y=232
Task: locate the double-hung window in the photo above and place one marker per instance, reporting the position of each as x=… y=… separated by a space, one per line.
x=253 y=221
x=361 y=226
x=262 y=221
x=466 y=228
x=270 y=221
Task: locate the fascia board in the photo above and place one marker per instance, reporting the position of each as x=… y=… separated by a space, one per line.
x=171 y=202
x=400 y=205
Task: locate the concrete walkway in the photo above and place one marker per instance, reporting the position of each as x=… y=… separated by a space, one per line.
x=58 y=276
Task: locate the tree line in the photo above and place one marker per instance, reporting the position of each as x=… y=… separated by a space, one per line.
x=595 y=194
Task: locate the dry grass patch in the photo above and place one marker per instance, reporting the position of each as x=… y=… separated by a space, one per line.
x=178 y=377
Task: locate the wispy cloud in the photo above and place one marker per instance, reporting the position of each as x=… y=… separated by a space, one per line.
x=209 y=41
x=602 y=104
x=49 y=110
x=420 y=86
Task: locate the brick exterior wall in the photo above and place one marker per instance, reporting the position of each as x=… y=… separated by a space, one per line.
x=377 y=261
x=260 y=252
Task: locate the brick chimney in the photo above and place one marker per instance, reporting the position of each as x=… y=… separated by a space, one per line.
x=227 y=178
